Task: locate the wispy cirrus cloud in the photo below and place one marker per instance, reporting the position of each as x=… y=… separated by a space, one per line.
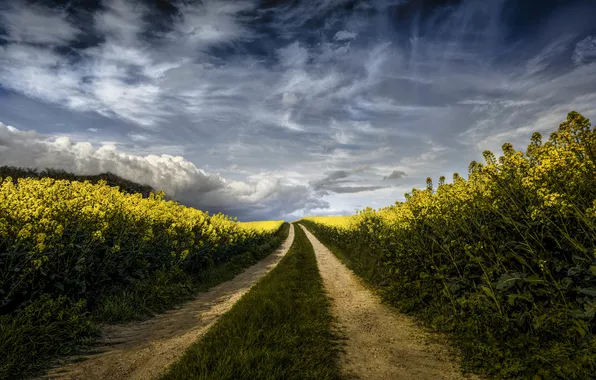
x=36 y=24
x=585 y=51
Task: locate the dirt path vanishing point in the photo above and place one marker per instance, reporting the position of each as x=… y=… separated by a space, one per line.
x=144 y=350
x=379 y=342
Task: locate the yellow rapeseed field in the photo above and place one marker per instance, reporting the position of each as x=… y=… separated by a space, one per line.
x=505 y=259
x=262 y=226
x=333 y=221
x=77 y=236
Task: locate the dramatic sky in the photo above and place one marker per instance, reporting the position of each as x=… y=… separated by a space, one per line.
x=279 y=109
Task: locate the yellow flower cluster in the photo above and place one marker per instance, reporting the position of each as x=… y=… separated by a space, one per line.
x=512 y=245
x=78 y=232
x=555 y=179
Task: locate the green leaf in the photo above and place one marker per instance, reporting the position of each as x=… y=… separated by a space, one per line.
x=533 y=279
x=589 y=291
x=507 y=281
x=566 y=283
x=521 y=260
x=579 y=258
x=577 y=314
x=581 y=327
x=590 y=308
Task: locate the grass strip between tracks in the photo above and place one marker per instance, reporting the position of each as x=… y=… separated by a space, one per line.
x=280 y=329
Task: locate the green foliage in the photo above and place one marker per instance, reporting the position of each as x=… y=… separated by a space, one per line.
x=165 y=289
x=505 y=260
x=157 y=293
x=49 y=326
x=63 y=237
x=279 y=330
x=118 y=255
x=111 y=179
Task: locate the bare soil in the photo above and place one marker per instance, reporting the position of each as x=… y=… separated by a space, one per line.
x=142 y=351
x=379 y=343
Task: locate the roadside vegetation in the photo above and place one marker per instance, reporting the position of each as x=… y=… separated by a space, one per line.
x=74 y=254
x=280 y=329
x=504 y=260
x=111 y=179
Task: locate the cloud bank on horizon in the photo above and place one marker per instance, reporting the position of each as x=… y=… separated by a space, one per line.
x=265 y=109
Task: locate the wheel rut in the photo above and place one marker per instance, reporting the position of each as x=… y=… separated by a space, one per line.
x=142 y=351
x=379 y=343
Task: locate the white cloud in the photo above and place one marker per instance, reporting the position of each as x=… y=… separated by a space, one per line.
x=210 y=22
x=344 y=35
x=585 y=51
x=36 y=24
x=289 y=99
x=308 y=84
x=178 y=177
x=293 y=56
x=123 y=76
x=121 y=19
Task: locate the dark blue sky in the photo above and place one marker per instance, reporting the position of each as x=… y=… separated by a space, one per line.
x=277 y=109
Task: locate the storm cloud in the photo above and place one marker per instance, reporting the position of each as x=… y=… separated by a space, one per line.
x=179 y=178
x=396 y=174
x=334 y=183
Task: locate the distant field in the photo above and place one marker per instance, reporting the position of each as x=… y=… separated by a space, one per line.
x=335 y=221
x=263 y=226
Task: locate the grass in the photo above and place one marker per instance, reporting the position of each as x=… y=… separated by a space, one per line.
x=166 y=289
x=52 y=327
x=46 y=327
x=281 y=329
x=339 y=253
x=468 y=336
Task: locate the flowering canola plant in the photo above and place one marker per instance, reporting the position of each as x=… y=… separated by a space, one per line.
x=506 y=258
x=75 y=238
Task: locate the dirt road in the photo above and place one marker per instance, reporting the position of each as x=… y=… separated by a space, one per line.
x=379 y=342
x=144 y=350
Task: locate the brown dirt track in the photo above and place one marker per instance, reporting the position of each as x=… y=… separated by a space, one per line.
x=142 y=351
x=379 y=343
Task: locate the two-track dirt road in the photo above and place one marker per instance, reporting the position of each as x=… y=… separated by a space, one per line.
x=378 y=342
x=142 y=351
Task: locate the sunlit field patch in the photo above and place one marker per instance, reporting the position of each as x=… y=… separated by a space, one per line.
x=262 y=226
x=332 y=221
